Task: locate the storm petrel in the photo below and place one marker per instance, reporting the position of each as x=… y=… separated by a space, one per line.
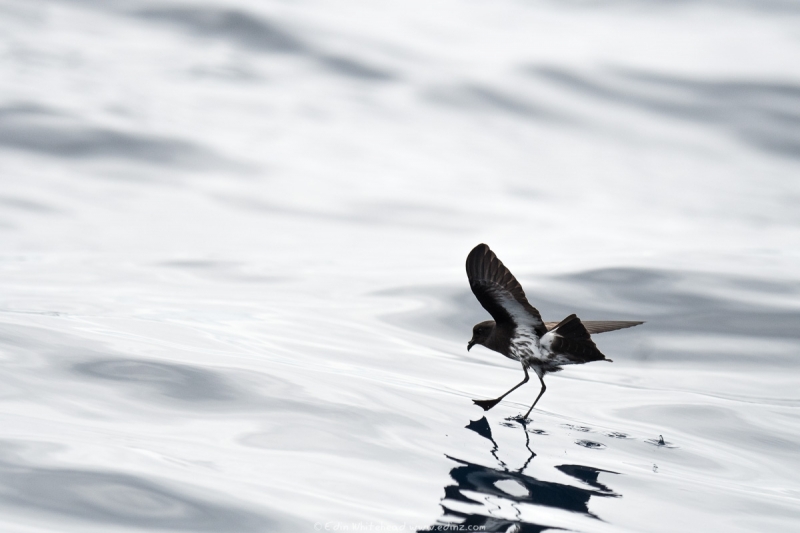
x=518 y=331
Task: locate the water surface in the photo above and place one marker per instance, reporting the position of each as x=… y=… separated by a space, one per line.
x=232 y=238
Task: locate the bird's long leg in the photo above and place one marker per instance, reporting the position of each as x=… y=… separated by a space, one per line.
x=488 y=404
x=544 y=388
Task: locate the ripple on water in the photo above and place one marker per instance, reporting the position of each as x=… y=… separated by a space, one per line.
x=117 y=499
x=582 y=429
x=590 y=444
x=617 y=435
x=178 y=381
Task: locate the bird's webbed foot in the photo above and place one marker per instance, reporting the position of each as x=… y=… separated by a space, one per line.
x=486 y=404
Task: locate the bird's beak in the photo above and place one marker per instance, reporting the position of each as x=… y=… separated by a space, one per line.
x=470 y=344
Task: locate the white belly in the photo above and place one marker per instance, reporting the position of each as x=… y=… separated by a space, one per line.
x=525 y=346
x=534 y=352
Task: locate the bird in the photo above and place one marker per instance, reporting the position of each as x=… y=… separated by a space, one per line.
x=518 y=331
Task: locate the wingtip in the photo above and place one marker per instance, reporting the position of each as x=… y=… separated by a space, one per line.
x=478 y=250
x=476 y=258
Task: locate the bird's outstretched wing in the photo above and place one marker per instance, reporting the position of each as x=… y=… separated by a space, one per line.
x=499 y=292
x=601 y=326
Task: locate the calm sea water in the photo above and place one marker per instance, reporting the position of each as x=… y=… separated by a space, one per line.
x=232 y=237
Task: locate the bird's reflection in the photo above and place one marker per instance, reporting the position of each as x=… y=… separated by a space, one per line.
x=481 y=492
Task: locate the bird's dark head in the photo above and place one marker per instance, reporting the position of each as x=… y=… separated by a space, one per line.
x=481 y=333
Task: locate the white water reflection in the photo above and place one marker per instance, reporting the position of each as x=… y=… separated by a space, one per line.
x=232 y=240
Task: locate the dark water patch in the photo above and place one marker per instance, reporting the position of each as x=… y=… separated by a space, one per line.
x=234 y=26
x=256 y=33
x=767 y=92
x=763 y=115
x=182 y=382
x=537 y=431
x=347 y=66
x=13 y=109
x=591 y=444
x=57 y=136
x=473 y=96
x=25 y=204
x=617 y=435
x=113 y=499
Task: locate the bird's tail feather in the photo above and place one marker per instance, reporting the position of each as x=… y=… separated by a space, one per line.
x=573 y=341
